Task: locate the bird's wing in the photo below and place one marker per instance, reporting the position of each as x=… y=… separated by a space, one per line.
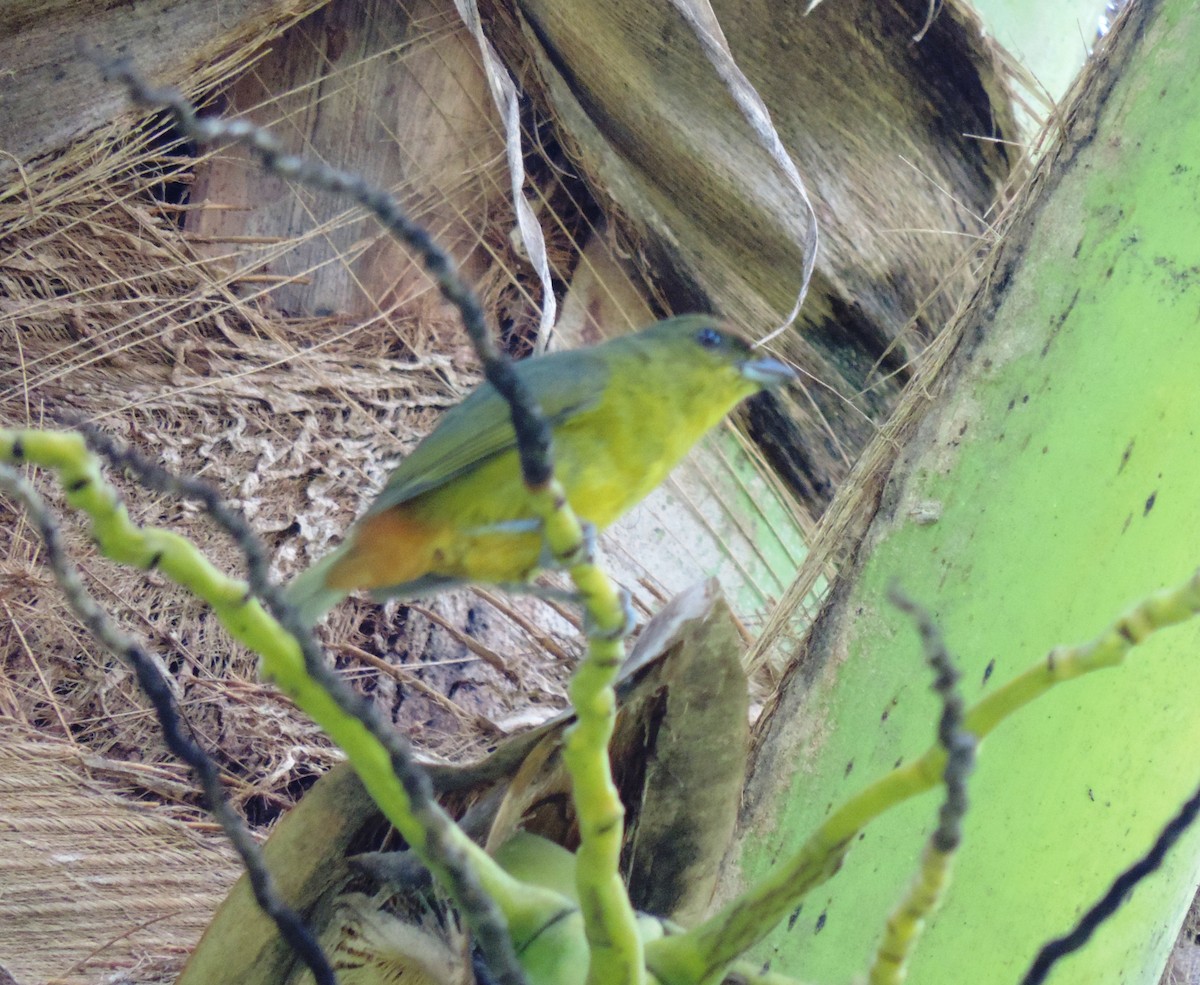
x=563 y=384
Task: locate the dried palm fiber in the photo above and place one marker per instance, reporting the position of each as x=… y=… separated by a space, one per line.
x=297 y=416
x=50 y=95
x=898 y=118
x=92 y=882
x=1183 y=968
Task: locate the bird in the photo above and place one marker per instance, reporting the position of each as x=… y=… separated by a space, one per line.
x=622 y=414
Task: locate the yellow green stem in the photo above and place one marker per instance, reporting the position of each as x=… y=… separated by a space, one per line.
x=904 y=926
x=614 y=944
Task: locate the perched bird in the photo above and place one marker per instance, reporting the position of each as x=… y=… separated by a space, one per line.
x=623 y=413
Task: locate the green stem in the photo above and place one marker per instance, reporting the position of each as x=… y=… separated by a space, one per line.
x=610 y=923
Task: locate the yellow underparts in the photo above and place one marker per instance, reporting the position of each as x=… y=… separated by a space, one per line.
x=464 y=529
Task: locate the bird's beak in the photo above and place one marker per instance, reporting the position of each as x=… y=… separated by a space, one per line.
x=767 y=372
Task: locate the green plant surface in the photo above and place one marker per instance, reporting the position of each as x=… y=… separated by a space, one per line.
x=703 y=953
x=1060 y=459
x=1051 y=40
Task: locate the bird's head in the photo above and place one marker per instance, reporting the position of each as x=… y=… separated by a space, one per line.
x=704 y=344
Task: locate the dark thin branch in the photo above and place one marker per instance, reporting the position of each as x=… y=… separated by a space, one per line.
x=1118 y=892
x=532 y=431
x=176 y=732
x=960 y=745
x=479 y=910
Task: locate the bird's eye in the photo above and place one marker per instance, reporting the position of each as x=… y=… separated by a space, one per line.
x=710 y=338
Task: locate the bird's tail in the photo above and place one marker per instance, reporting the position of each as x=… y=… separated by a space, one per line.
x=309 y=592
